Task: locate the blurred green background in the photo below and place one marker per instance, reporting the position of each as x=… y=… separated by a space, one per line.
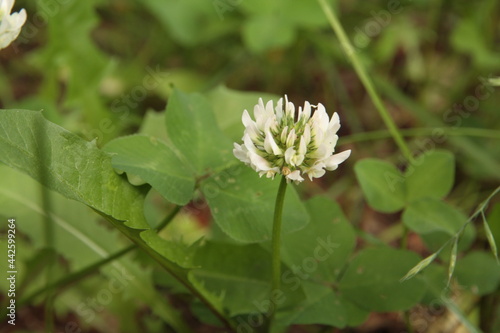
x=101 y=68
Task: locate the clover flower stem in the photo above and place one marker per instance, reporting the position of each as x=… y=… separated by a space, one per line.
x=365 y=79
x=276 y=240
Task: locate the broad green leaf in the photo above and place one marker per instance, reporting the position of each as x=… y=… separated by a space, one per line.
x=236 y=271
x=69 y=165
x=159 y=250
x=300 y=12
x=435 y=240
x=432 y=176
x=242 y=204
x=321 y=249
x=355 y=314
x=318 y=253
x=304 y=13
x=256 y=32
x=215 y=300
x=382 y=184
x=259 y=7
x=284 y=18
x=187 y=80
x=81 y=244
x=181 y=19
x=80 y=171
x=479 y=272
x=153 y=124
x=156 y=163
x=228 y=106
x=322 y=306
x=430 y=215
x=175 y=251
x=372 y=280
x=192 y=129
x=388 y=190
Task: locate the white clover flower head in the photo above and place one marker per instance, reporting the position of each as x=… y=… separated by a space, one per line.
x=278 y=142
x=10 y=24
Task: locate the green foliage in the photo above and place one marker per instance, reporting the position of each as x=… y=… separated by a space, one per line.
x=68 y=165
x=380 y=182
x=227 y=105
x=281 y=17
x=222 y=274
x=240 y=274
x=156 y=163
x=329 y=239
x=316 y=256
x=256 y=34
x=238 y=194
x=76 y=62
x=469 y=37
x=80 y=244
x=431 y=175
x=324 y=306
x=479 y=272
x=431 y=215
x=109 y=194
x=189 y=22
x=88 y=66
x=428 y=178
x=194 y=22
x=192 y=128
x=372 y=281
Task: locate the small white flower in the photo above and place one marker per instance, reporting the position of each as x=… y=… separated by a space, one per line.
x=276 y=143
x=10 y=24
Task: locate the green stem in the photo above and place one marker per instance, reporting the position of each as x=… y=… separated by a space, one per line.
x=168 y=218
x=276 y=240
x=178 y=272
x=365 y=79
x=89 y=270
x=74 y=277
x=483 y=205
x=471 y=150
